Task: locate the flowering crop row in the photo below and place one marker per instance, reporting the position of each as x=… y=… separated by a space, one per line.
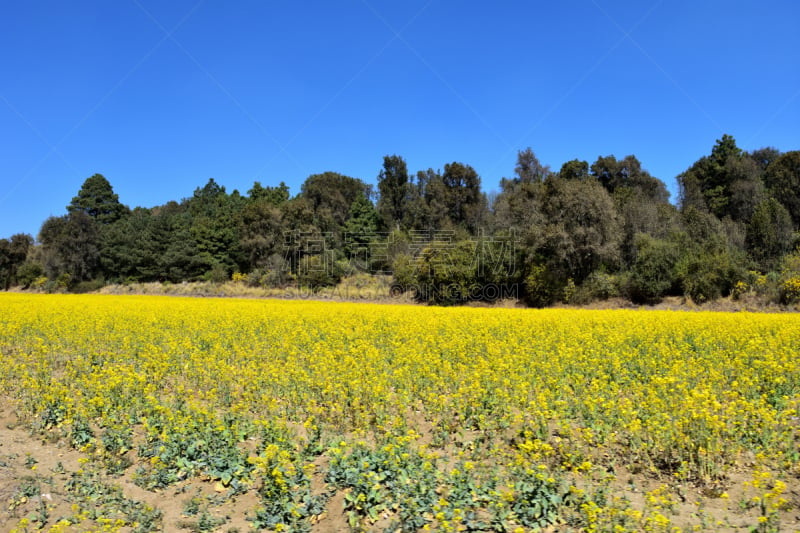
x=452 y=419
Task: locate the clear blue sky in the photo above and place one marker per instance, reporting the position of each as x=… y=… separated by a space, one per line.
x=161 y=96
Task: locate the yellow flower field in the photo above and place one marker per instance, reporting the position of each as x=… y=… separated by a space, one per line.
x=417 y=417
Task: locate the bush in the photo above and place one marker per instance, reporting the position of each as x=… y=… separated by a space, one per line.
x=601 y=286
x=348 y=268
x=709 y=275
x=652 y=274
x=62 y=282
x=740 y=288
x=275 y=273
x=766 y=286
x=403 y=273
x=790 y=290
x=790 y=278
x=317 y=271
x=88 y=286
x=570 y=294
x=28 y=272
x=700 y=279
x=217 y=274
x=253 y=279
x=541 y=286
x=447 y=274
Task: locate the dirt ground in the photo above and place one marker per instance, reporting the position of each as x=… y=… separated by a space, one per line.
x=35 y=475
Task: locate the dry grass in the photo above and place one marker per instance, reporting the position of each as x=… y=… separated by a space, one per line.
x=377 y=289
x=361 y=287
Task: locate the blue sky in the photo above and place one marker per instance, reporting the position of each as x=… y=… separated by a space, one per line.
x=161 y=96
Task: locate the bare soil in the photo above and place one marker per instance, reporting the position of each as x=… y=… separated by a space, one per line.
x=32 y=463
x=31 y=460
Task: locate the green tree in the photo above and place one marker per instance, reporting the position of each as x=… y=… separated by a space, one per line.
x=360 y=232
x=628 y=173
x=70 y=245
x=763 y=157
x=463 y=199
x=261 y=231
x=727 y=182
x=574 y=170
x=541 y=286
x=274 y=196
x=746 y=189
x=518 y=206
x=769 y=234
x=98 y=200
x=155 y=244
x=13 y=253
x=331 y=194
x=328 y=198
x=141 y=246
x=428 y=208
x=639 y=198
x=581 y=230
x=709 y=265
x=393 y=190
x=708 y=274
x=782 y=179
x=447 y=272
x=129 y=250
x=6 y=264
x=567 y=228
x=28 y=272
x=303 y=236
x=529 y=169
x=640 y=214
x=215 y=227
x=182 y=257
x=652 y=275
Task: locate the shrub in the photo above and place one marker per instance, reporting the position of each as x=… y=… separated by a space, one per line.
x=61 y=283
x=541 y=286
x=254 y=278
x=447 y=274
x=275 y=273
x=707 y=276
x=653 y=271
x=88 y=286
x=570 y=293
x=217 y=274
x=317 y=271
x=789 y=279
x=403 y=272
x=602 y=286
x=28 y=272
x=790 y=290
x=740 y=288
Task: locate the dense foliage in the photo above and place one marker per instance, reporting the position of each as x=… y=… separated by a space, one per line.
x=585 y=232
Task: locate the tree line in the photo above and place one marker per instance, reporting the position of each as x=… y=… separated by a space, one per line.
x=584 y=232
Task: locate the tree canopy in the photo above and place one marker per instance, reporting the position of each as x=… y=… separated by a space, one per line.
x=97 y=199
x=586 y=231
